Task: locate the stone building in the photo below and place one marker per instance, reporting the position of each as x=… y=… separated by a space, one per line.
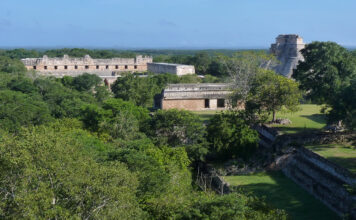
x=287 y=51
x=195 y=97
x=68 y=66
x=177 y=69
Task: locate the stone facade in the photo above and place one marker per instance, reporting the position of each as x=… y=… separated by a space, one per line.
x=320 y=177
x=287 y=51
x=195 y=97
x=68 y=66
x=177 y=69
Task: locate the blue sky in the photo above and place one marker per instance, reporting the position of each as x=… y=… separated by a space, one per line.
x=173 y=23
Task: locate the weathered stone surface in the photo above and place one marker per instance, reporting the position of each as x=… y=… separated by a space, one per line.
x=177 y=69
x=287 y=51
x=195 y=97
x=323 y=179
x=67 y=66
x=283 y=121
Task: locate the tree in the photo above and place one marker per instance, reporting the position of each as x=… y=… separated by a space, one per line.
x=344 y=106
x=138 y=90
x=230 y=136
x=102 y=93
x=118 y=118
x=271 y=92
x=242 y=68
x=327 y=68
x=11 y=65
x=18 y=109
x=62 y=101
x=232 y=206
x=178 y=128
x=217 y=67
x=86 y=82
x=22 y=84
x=46 y=174
x=116 y=106
x=201 y=61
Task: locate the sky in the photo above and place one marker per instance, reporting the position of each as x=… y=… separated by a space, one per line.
x=173 y=24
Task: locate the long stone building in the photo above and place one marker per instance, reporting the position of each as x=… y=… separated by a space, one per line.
x=177 y=69
x=287 y=51
x=194 y=97
x=75 y=66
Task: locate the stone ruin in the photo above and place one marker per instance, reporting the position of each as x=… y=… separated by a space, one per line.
x=287 y=51
x=72 y=66
x=195 y=97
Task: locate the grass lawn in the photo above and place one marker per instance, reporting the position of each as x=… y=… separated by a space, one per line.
x=309 y=118
x=342 y=154
x=281 y=192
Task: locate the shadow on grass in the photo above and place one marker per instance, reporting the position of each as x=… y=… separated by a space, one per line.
x=293 y=130
x=348 y=163
x=318 y=118
x=285 y=194
x=320 y=147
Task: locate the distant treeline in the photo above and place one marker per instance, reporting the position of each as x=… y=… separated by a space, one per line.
x=109 y=53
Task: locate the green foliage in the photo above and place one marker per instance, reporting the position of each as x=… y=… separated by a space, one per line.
x=344 y=106
x=18 y=109
x=20 y=53
x=164 y=179
x=118 y=118
x=9 y=65
x=62 y=101
x=327 y=68
x=328 y=74
x=138 y=90
x=124 y=125
x=178 y=128
x=201 y=62
x=80 y=52
x=116 y=106
x=22 y=84
x=51 y=168
x=45 y=174
x=102 y=93
x=231 y=206
x=271 y=92
x=230 y=136
x=86 y=82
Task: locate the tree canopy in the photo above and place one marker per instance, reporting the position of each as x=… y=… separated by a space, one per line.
x=328 y=75
x=271 y=92
x=230 y=136
x=327 y=67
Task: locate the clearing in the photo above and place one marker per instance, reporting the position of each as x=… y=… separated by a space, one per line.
x=308 y=119
x=342 y=154
x=281 y=192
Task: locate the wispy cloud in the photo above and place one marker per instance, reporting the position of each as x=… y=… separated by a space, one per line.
x=167 y=23
x=5 y=22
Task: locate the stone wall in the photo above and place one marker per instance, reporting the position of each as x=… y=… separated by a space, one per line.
x=287 y=51
x=75 y=66
x=325 y=180
x=195 y=97
x=177 y=69
x=190 y=104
